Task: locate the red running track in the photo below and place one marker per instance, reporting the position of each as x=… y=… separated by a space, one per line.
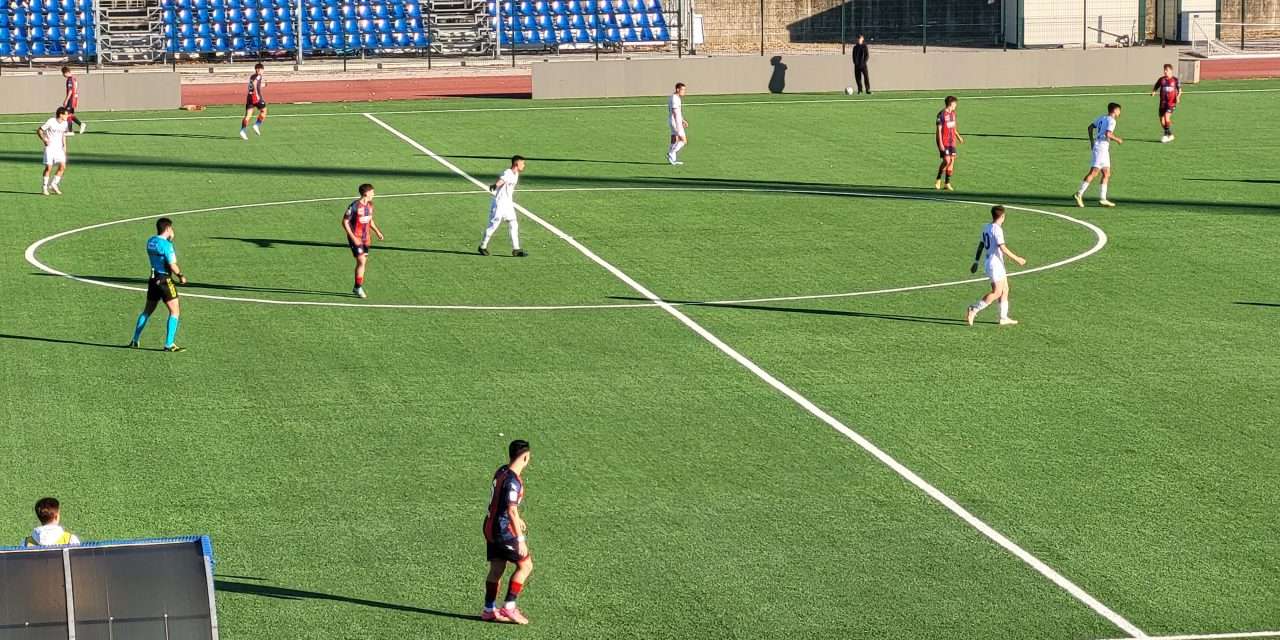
x=1240 y=69
x=364 y=90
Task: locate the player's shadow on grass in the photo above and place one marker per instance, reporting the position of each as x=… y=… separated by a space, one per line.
x=1244 y=180
x=536 y=160
x=270 y=243
x=200 y=136
x=285 y=593
x=817 y=312
x=1258 y=304
x=996 y=135
x=210 y=286
x=82 y=343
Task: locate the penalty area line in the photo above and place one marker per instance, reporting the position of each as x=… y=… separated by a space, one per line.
x=907 y=474
x=1216 y=636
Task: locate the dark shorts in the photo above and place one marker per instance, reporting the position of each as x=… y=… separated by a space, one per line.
x=947 y=152
x=161 y=288
x=358 y=250
x=507 y=550
x=1167 y=109
x=250 y=104
x=70 y=107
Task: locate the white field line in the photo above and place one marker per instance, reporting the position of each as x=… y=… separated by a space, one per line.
x=31 y=253
x=725 y=103
x=1217 y=636
x=803 y=402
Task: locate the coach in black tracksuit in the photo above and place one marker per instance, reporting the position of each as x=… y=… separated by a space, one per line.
x=860 y=57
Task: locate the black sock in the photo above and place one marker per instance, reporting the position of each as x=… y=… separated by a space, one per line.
x=948 y=178
x=1168 y=131
x=490 y=593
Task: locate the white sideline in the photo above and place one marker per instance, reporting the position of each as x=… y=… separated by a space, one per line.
x=591 y=107
x=885 y=458
x=1217 y=636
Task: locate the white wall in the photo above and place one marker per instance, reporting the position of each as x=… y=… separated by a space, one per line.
x=1063 y=22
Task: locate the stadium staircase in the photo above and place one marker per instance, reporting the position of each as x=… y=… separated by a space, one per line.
x=459 y=27
x=131 y=31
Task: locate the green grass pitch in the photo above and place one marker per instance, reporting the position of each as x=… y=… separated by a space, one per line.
x=340 y=456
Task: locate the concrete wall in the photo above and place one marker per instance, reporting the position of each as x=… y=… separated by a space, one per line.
x=890 y=70
x=98 y=92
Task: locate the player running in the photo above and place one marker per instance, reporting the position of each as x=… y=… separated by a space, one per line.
x=53 y=133
x=164 y=268
x=72 y=99
x=503 y=208
x=677 y=123
x=947 y=137
x=357 y=222
x=255 y=99
x=504 y=532
x=992 y=243
x=1101 y=133
x=1170 y=91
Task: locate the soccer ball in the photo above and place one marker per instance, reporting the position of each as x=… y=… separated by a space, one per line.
x=848 y=91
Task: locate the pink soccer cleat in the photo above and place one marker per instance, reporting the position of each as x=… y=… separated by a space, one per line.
x=512 y=616
x=489 y=615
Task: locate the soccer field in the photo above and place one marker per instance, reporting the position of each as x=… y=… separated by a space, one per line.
x=799 y=439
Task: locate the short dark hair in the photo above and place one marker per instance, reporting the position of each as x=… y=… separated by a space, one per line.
x=365 y=188
x=679 y=85
x=1113 y=106
x=950 y=100
x=517 y=448
x=1167 y=66
x=996 y=212
x=62 y=111
x=162 y=225
x=258 y=67
x=47 y=510
x=515 y=159
x=66 y=70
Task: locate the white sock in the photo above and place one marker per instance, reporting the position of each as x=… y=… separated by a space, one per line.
x=671 y=152
x=508 y=605
x=46 y=181
x=488 y=233
x=1004 y=308
x=515 y=234
x=1104 y=190
x=679 y=145
x=1084 y=186
x=979 y=306
x=56 y=180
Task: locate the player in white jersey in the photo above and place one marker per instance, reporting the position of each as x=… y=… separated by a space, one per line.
x=503 y=208
x=675 y=119
x=53 y=133
x=992 y=244
x=1101 y=133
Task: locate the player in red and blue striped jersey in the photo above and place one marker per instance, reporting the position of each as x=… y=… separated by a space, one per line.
x=1170 y=91
x=357 y=222
x=947 y=137
x=72 y=99
x=254 y=99
x=504 y=531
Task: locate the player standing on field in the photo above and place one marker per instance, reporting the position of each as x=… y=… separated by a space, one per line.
x=53 y=133
x=164 y=268
x=254 y=99
x=503 y=208
x=677 y=123
x=992 y=243
x=357 y=222
x=504 y=532
x=947 y=137
x=1170 y=91
x=1101 y=133
x=72 y=99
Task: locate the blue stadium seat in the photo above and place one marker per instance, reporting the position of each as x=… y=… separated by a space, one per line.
x=37 y=48
x=21 y=19
x=21 y=49
x=413 y=10
x=362 y=12
x=363 y=26
x=403 y=40
x=543 y=22
x=369 y=41
x=284 y=28
x=561 y=22
x=348 y=40
x=611 y=34
x=385 y=41
x=348 y=25
x=6 y=49
x=397 y=10
x=218 y=14
x=331 y=12
x=623 y=20
x=420 y=40
x=661 y=34
x=219 y=29
x=271 y=43
x=35 y=19
x=236 y=29
x=383 y=26
x=380 y=11
x=236 y=43
x=347 y=11
x=559 y=7
x=253 y=29
x=53 y=20
x=73 y=47
x=320 y=41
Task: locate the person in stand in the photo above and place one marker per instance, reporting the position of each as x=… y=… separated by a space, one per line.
x=860 y=57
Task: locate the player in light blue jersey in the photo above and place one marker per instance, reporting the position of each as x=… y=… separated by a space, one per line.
x=164 y=268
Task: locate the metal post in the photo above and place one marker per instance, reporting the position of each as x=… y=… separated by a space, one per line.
x=843 y=48
x=298 y=37
x=1242 y=21
x=1161 y=16
x=512 y=40
x=97 y=33
x=1004 y=36
x=1084 y=26
x=924 y=27
x=680 y=29
x=762 y=28
x=497 y=43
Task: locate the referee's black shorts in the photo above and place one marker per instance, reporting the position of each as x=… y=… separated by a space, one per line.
x=161 y=287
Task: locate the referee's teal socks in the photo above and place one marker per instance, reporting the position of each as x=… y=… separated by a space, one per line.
x=173 y=331
x=142 y=324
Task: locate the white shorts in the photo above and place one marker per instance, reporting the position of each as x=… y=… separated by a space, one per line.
x=1101 y=156
x=54 y=156
x=501 y=214
x=677 y=129
x=995 y=271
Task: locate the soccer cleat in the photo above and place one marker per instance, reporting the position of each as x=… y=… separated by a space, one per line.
x=948 y=187
x=1007 y=322
x=45 y=190
x=55 y=189
x=511 y=615
x=173 y=348
x=482 y=251
x=359 y=292
x=519 y=253
x=243 y=135
x=1106 y=203
x=1172 y=137
x=1164 y=139
x=489 y=615
x=82 y=127
x=937 y=184
x=969 y=315
x=257 y=129
x=1079 y=200
x=133 y=344
x=676 y=163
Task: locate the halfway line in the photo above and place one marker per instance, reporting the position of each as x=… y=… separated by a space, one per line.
x=909 y=475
